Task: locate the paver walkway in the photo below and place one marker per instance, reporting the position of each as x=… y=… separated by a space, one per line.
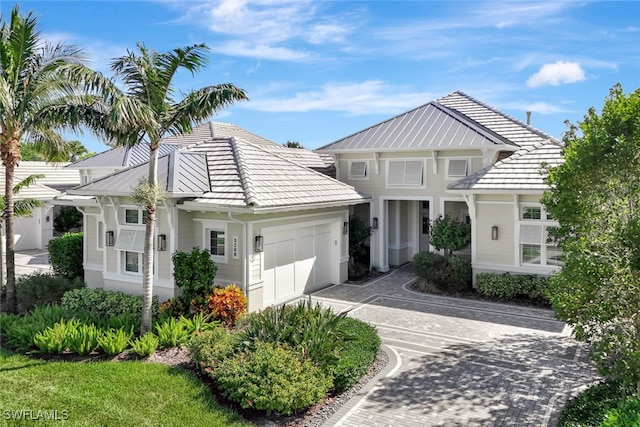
x=457 y=362
x=31 y=261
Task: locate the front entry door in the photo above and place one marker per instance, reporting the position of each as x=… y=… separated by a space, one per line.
x=424 y=226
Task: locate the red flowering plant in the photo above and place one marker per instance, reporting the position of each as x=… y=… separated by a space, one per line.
x=228 y=304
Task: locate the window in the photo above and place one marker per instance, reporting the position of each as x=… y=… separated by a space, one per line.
x=405 y=172
x=216 y=242
x=135 y=216
x=358 y=169
x=536 y=245
x=132 y=262
x=100 y=240
x=130 y=239
x=457 y=168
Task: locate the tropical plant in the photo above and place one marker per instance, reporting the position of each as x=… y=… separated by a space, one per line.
x=171 y=332
x=41 y=288
x=145 y=345
x=228 y=304
x=146 y=111
x=449 y=234
x=194 y=273
x=44 y=89
x=115 y=341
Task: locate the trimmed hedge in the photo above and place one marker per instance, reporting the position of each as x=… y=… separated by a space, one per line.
x=508 y=286
x=42 y=288
x=65 y=255
x=446 y=273
x=98 y=302
x=592 y=406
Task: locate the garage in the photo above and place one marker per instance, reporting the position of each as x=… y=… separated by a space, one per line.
x=297 y=261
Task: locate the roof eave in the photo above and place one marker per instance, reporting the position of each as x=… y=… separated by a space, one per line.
x=204 y=207
x=501 y=146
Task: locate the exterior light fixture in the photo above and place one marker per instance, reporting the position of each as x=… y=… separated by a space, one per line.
x=494 y=232
x=162 y=242
x=374 y=223
x=345 y=227
x=258 y=244
x=110 y=238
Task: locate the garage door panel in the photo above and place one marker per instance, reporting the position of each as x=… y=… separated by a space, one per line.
x=305 y=262
x=285 y=268
x=322 y=268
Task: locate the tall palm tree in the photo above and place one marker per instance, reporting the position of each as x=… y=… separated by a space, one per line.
x=148 y=111
x=21 y=208
x=44 y=89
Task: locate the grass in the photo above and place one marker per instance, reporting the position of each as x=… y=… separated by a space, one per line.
x=131 y=393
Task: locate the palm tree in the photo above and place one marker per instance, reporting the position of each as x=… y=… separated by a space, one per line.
x=21 y=208
x=147 y=111
x=44 y=89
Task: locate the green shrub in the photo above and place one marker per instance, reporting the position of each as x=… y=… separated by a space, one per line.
x=273 y=378
x=42 y=288
x=228 y=304
x=20 y=330
x=446 y=273
x=99 y=302
x=115 y=341
x=209 y=348
x=360 y=351
x=508 y=286
x=55 y=339
x=65 y=255
x=145 y=345
x=627 y=415
x=171 y=333
x=69 y=217
x=592 y=405
x=198 y=323
x=449 y=234
x=84 y=338
x=194 y=274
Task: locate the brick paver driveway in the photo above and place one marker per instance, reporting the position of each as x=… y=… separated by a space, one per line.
x=457 y=362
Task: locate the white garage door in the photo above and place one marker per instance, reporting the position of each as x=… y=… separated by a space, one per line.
x=28 y=231
x=296 y=261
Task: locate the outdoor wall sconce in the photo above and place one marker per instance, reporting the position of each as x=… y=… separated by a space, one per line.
x=494 y=232
x=258 y=244
x=374 y=223
x=110 y=238
x=162 y=242
x=345 y=227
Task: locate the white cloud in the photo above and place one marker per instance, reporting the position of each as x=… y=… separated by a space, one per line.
x=558 y=73
x=259 y=51
x=368 y=97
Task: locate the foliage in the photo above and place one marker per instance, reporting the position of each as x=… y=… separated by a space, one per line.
x=595 y=196
x=174 y=307
x=193 y=273
x=292 y=144
x=41 y=288
x=115 y=341
x=447 y=273
x=591 y=406
x=99 y=302
x=628 y=415
x=449 y=234
x=359 y=232
x=358 y=354
x=228 y=304
x=71 y=152
x=20 y=330
x=55 y=339
x=145 y=345
x=69 y=217
x=84 y=338
x=209 y=348
x=65 y=255
x=271 y=377
x=199 y=323
x=146 y=194
x=171 y=333
x=508 y=286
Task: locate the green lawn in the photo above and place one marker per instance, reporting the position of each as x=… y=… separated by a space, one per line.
x=107 y=394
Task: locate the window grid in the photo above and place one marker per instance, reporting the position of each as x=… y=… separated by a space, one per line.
x=217 y=242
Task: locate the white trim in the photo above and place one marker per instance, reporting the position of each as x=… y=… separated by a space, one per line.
x=422 y=185
x=467 y=167
x=365 y=172
x=522 y=269
x=93 y=267
x=133 y=278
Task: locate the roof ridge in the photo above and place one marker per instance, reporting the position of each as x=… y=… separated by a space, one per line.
x=243 y=171
x=471 y=123
x=502 y=113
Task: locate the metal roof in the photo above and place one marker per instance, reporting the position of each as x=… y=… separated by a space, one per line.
x=120 y=157
x=429 y=127
x=231 y=173
x=523 y=170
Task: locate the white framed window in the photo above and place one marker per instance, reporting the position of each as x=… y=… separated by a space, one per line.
x=100 y=239
x=457 y=168
x=216 y=240
x=134 y=216
x=536 y=245
x=132 y=262
x=407 y=173
x=358 y=169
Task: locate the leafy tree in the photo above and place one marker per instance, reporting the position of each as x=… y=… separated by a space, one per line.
x=292 y=144
x=449 y=234
x=44 y=88
x=595 y=196
x=72 y=151
x=146 y=111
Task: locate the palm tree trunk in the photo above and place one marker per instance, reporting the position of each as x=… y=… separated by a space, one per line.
x=147 y=257
x=12 y=303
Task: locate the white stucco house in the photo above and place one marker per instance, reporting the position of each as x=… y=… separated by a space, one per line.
x=276 y=219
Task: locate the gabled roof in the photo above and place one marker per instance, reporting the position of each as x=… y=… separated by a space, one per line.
x=523 y=170
x=229 y=173
x=122 y=157
x=512 y=129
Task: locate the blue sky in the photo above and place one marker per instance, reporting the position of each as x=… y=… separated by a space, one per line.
x=317 y=71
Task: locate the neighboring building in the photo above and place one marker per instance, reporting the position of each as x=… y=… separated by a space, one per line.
x=454 y=156
x=274 y=226
x=35 y=231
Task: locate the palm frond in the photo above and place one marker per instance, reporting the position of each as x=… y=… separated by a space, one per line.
x=31 y=179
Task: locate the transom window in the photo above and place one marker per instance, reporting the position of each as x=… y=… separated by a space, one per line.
x=358 y=169
x=405 y=172
x=537 y=247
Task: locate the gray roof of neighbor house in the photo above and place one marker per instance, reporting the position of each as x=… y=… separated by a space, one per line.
x=122 y=157
x=456 y=121
x=230 y=173
x=57 y=178
x=209 y=130
x=523 y=171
